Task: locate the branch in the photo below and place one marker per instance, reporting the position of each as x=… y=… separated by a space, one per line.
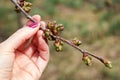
x=84 y=52
x=78 y=48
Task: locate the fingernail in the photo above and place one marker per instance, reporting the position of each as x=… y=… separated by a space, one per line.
x=33 y=24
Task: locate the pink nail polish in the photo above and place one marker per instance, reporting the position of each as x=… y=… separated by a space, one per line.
x=33 y=25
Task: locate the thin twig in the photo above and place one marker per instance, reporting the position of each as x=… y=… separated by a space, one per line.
x=78 y=48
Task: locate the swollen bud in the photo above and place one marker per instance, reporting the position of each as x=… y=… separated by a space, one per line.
x=60 y=27
x=87 y=59
x=58 y=45
x=59 y=48
x=27 y=6
x=47 y=33
x=76 y=42
x=51 y=25
x=108 y=64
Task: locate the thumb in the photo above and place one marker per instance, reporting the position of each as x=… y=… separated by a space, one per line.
x=23 y=34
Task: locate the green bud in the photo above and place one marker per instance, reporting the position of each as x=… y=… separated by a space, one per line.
x=59 y=48
x=27 y=9
x=51 y=25
x=108 y=64
x=61 y=43
x=56 y=44
x=87 y=60
x=27 y=6
x=47 y=33
x=55 y=32
x=60 y=27
x=76 y=42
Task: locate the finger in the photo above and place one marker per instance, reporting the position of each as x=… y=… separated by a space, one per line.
x=43 y=50
x=43 y=47
x=23 y=34
x=30 y=50
x=23 y=62
x=43 y=25
x=22 y=47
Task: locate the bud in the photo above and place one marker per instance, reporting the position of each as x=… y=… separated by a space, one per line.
x=27 y=9
x=87 y=60
x=51 y=25
x=60 y=27
x=55 y=32
x=56 y=44
x=47 y=33
x=27 y=6
x=24 y=4
x=76 y=42
x=61 y=43
x=108 y=64
x=59 y=48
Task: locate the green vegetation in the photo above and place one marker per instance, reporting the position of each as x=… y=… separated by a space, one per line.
x=115 y=28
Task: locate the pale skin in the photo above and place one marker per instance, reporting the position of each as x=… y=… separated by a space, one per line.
x=19 y=61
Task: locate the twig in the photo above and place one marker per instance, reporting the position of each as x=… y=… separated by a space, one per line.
x=78 y=48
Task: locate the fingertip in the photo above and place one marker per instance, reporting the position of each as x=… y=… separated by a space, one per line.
x=40 y=33
x=41 y=40
x=37 y=18
x=32 y=24
x=43 y=25
x=43 y=47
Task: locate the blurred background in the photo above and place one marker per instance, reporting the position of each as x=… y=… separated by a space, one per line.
x=95 y=22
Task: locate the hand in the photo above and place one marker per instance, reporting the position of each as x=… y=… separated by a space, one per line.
x=22 y=59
